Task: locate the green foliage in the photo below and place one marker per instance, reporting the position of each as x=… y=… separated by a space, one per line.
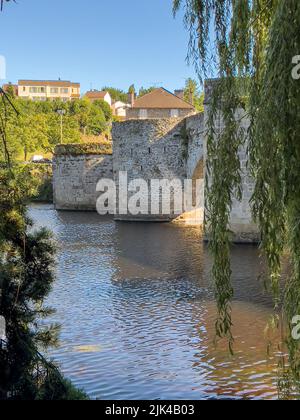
x=253 y=45
x=143 y=91
x=42 y=180
x=131 y=89
x=97 y=123
x=105 y=147
x=105 y=108
x=10 y=91
x=26 y=278
x=116 y=94
x=71 y=131
x=57 y=388
x=193 y=95
x=38 y=125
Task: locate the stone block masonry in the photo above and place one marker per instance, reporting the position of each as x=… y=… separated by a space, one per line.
x=155 y=149
x=170 y=148
x=156 y=113
x=76 y=171
x=152 y=149
x=242 y=226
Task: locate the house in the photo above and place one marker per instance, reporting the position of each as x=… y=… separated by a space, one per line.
x=160 y=103
x=42 y=90
x=10 y=87
x=119 y=109
x=96 y=95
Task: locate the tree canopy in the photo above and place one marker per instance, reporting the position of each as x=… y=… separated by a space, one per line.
x=116 y=94
x=251 y=46
x=36 y=126
x=193 y=94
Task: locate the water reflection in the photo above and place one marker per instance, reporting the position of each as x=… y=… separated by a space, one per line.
x=137 y=312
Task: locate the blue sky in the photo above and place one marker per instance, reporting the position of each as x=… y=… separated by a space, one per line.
x=95 y=42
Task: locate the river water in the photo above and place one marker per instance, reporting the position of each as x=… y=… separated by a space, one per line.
x=137 y=312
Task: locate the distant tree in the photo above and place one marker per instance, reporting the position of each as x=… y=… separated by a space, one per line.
x=71 y=130
x=10 y=91
x=80 y=110
x=97 y=123
x=30 y=133
x=131 y=89
x=193 y=95
x=105 y=108
x=143 y=91
x=26 y=278
x=116 y=94
x=43 y=107
x=38 y=126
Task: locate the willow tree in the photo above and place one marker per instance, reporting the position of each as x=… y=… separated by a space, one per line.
x=253 y=46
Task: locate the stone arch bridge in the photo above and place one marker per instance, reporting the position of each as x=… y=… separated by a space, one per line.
x=147 y=149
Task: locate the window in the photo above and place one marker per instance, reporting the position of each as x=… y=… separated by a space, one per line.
x=24 y=89
x=54 y=90
x=143 y=114
x=64 y=90
x=174 y=113
x=37 y=90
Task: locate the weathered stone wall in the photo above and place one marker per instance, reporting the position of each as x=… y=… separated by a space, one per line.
x=196 y=136
x=134 y=113
x=241 y=223
x=76 y=174
x=161 y=149
x=150 y=149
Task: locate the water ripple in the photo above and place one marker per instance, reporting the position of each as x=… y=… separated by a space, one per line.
x=136 y=307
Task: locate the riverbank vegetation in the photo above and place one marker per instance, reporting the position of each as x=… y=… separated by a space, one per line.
x=26 y=278
x=27 y=259
x=36 y=126
x=251 y=46
x=42 y=182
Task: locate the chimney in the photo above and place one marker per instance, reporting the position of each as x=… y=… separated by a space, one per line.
x=131 y=98
x=179 y=93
